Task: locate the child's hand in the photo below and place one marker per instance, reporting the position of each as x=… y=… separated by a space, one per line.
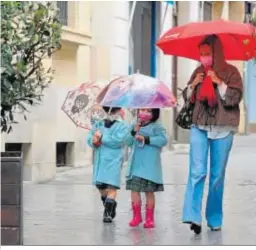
x=98 y=134
x=95 y=139
x=96 y=145
x=139 y=138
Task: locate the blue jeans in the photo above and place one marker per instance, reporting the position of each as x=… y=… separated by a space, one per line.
x=219 y=152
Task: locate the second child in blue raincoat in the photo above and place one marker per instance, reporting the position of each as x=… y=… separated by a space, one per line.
x=144 y=173
x=108 y=144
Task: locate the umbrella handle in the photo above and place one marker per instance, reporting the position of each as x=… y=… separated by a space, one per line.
x=140 y=144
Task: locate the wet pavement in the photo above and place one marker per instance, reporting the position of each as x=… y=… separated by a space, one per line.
x=68 y=210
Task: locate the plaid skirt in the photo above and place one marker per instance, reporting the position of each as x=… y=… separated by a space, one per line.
x=138 y=184
x=103 y=186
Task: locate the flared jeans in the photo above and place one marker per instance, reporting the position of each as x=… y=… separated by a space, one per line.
x=200 y=145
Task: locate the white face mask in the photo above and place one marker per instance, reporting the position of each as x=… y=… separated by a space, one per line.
x=115 y=117
x=98 y=115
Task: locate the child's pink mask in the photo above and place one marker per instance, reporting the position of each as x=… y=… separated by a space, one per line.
x=145 y=116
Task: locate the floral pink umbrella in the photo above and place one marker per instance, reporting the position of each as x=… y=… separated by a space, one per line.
x=137 y=91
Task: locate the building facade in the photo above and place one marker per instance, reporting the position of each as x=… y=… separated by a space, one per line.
x=49 y=139
x=102 y=40
x=213 y=10
x=233 y=11
x=250 y=80
x=124 y=43
x=95 y=46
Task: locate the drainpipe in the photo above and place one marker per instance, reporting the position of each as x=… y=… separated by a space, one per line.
x=202 y=12
x=174 y=75
x=153 y=40
x=131 y=18
x=130 y=41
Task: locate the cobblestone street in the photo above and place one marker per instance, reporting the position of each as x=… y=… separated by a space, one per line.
x=68 y=210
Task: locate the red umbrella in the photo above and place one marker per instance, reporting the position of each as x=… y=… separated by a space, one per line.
x=237 y=39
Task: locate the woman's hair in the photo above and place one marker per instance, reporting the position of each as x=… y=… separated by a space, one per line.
x=208 y=40
x=112 y=110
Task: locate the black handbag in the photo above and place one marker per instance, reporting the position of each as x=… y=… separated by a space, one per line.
x=184 y=118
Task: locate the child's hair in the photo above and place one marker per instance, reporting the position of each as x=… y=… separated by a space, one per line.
x=113 y=110
x=155 y=115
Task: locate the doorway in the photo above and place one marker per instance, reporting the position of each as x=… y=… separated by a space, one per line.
x=143 y=38
x=64 y=154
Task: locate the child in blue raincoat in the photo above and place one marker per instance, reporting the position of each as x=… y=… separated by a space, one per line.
x=108 y=144
x=144 y=173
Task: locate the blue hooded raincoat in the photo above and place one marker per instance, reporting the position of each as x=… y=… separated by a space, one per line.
x=108 y=158
x=145 y=162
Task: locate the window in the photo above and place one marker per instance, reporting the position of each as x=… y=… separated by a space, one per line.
x=207 y=14
x=141 y=38
x=63 y=12
x=249 y=6
x=13 y=147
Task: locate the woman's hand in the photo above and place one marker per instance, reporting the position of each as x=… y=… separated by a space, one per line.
x=198 y=79
x=214 y=77
x=140 y=138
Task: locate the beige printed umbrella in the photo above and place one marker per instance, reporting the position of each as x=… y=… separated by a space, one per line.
x=80 y=104
x=81 y=107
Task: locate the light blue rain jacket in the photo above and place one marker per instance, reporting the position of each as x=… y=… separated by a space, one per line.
x=145 y=162
x=108 y=158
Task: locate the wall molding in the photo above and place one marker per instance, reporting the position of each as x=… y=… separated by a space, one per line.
x=76 y=37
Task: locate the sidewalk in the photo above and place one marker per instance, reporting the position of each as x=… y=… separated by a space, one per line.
x=68 y=210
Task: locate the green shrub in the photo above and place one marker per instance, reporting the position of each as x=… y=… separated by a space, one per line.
x=30 y=33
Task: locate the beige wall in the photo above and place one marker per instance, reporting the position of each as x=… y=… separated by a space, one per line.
x=236 y=10
x=217 y=10
x=188 y=11
x=165 y=70
x=101 y=48
x=47 y=124
x=110 y=39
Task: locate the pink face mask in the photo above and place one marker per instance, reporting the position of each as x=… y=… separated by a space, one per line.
x=145 y=116
x=206 y=61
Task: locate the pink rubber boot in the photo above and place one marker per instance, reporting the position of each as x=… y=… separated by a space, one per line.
x=149 y=223
x=137 y=218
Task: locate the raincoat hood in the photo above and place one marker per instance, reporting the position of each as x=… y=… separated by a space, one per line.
x=219 y=62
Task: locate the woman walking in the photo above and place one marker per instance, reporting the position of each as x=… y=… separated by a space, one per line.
x=215 y=89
